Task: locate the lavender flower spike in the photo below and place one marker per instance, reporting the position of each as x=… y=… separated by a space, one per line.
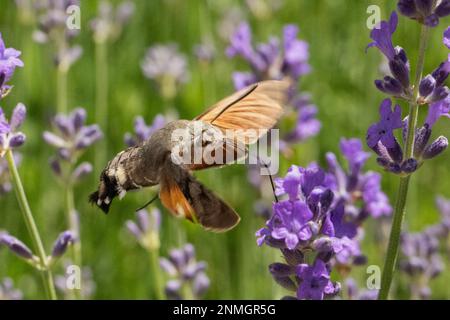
x=73 y=135
x=185 y=272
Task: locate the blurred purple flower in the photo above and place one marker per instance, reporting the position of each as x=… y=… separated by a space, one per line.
x=146 y=228
x=354 y=293
x=9 y=136
x=165 y=65
x=278 y=59
x=185 y=272
x=109 y=23
x=427 y=12
x=421 y=260
x=205 y=52
x=52 y=18
x=8 y=292
x=9 y=60
x=142 y=131
x=73 y=138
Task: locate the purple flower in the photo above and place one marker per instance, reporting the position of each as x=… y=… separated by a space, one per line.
x=72 y=139
x=278 y=59
x=272 y=60
x=397 y=84
x=353 y=151
x=108 y=25
x=432 y=88
x=446 y=39
x=16 y=246
x=307 y=125
x=185 y=272
x=165 y=65
x=354 y=293
x=9 y=60
x=420 y=259
x=8 y=292
x=143 y=131
x=427 y=12
x=290 y=222
x=205 y=52
x=62 y=243
x=9 y=136
x=315 y=281
x=437 y=110
x=146 y=228
x=383 y=130
x=444 y=209
x=382 y=36
x=52 y=18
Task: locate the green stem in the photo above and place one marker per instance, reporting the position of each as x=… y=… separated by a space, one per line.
x=399 y=211
x=31 y=226
x=157 y=280
x=61 y=89
x=101 y=97
x=74 y=227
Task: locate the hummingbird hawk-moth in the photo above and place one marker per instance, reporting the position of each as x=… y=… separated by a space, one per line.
x=154 y=162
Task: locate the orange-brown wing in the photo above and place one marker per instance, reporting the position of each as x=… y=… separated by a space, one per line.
x=185 y=197
x=258 y=107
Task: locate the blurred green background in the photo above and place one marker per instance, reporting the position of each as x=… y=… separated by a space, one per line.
x=341 y=85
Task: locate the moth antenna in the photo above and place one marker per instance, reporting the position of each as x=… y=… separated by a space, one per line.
x=270 y=177
x=148 y=203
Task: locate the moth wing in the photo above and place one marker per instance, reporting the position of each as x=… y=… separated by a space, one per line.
x=256 y=108
x=185 y=197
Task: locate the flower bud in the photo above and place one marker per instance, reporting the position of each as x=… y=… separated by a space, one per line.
x=55 y=165
x=422 y=137
x=432 y=20
x=407 y=8
x=281 y=270
x=200 y=285
x=443 y=9
x=18 y=116
x=17 y=140
x=427 y=86
x=168 y=267
x=134 y=229
x=61 y=244
x=78 y=118
x=81 y=171
x=436 y=148
x=173 y=288
x=400 y=71
x=409 y=165
x=16 y=246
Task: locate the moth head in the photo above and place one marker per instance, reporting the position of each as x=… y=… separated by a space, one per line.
x=107 y=191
